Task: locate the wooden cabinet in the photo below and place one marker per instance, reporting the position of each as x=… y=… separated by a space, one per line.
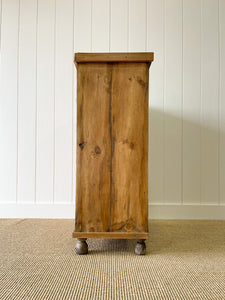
x=112 y=147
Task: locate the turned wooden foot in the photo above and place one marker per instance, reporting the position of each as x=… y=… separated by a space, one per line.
x=81 y=246
x=140 y=247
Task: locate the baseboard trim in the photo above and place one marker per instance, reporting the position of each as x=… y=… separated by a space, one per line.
x=187 y=211
x=156 y=211
x=40 y=211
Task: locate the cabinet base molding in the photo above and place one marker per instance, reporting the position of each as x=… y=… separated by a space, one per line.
x=111 y=235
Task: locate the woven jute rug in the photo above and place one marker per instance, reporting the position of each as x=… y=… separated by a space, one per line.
x=184 y=260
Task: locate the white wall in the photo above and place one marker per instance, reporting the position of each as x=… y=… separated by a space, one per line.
x=187 y=100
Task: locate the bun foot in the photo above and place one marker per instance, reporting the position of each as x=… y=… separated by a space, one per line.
x=81 y=246
x=140 y=247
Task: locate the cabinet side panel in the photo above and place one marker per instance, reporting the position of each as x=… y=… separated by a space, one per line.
x=93 y=147
x=129 y=211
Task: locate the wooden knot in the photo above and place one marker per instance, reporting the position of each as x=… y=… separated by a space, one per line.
x=81 y=145
x=97 y=150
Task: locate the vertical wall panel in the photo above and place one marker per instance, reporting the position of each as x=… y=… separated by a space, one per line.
x=155 y=19
x=82 y=25
x=45 y=100
x=137 y=25
x=27 y=101
x=173 y=102
x=100 y=25
x=0 y=21
x=222 y=100
x=210 y=84
x=191 y=101
x=63 y=101
x=8 y=99
x=119 y=26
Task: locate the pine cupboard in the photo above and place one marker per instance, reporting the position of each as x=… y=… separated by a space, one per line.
x=112 y=147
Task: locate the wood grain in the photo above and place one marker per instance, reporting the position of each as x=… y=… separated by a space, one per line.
x=112 y=148
x=114 y=57
x=111 y=235
x=93 y=147
x=129 y=207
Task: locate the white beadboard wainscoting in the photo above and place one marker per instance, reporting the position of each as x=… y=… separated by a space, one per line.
x=38 y=100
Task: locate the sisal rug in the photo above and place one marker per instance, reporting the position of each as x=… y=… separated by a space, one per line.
x=184 y=260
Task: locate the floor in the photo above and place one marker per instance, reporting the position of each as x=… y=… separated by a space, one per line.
x=184 y=260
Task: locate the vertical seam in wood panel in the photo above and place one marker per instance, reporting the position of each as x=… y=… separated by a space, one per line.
x=91 y=25
x=200 y=113
x=182 y=92
x=110 y=25
x=73 y=86
x=164 y=81
x=112 y=147
x=35 y=154
x=219 y=104
x=54 y=55
x=128 y=25
x=17 y=108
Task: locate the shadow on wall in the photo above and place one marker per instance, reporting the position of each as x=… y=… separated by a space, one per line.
x=186 y=159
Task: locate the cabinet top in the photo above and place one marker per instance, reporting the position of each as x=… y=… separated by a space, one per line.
x=114 y=57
